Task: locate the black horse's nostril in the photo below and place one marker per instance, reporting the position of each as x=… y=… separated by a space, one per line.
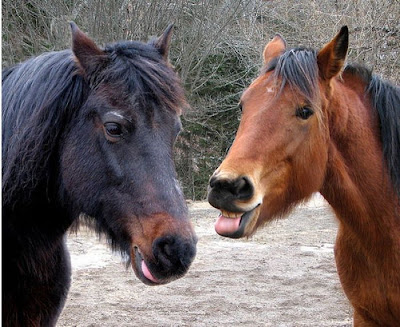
x=163 y=249
x=173 y=255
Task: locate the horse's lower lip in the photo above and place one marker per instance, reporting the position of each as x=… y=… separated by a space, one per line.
x=244 y=221
x=139 y=261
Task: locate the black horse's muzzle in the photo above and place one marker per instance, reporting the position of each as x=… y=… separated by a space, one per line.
x=171 y=258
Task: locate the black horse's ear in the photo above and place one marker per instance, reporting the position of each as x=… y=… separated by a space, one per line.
x=89 y=56
x=332 y=56
x=163 y=42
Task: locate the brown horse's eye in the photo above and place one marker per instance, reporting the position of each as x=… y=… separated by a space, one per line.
x=113 y=129
x=304 y=112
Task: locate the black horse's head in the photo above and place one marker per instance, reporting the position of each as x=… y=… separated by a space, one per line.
x=117 y=158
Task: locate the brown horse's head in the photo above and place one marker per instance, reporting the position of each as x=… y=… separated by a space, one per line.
x=280 y=152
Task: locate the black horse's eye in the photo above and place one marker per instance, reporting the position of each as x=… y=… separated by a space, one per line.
x=304 y=112
x=113 y=129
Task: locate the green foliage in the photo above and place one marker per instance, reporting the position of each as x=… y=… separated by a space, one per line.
x=210 y=127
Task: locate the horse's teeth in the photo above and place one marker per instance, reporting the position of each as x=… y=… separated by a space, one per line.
x=231 y=214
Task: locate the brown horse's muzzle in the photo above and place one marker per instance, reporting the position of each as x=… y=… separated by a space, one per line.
x=235 y=196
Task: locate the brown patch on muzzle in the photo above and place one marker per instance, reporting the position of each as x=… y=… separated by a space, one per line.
x=163 y=247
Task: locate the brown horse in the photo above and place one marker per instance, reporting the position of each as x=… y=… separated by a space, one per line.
x=309 y=125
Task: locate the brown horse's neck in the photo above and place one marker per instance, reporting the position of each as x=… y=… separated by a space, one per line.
x=357 y=184
x=358 y=187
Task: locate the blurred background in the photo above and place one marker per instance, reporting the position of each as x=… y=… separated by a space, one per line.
x=216 y=49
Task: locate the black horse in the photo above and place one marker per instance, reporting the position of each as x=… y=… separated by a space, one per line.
x=90 y=131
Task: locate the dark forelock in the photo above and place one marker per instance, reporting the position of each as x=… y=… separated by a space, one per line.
x=297 y=68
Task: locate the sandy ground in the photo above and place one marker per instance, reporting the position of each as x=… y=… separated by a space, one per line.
x=283 y=276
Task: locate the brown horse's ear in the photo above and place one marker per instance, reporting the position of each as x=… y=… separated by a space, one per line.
x=274 y=48
x=163 y=42
x=332 y=56
x=87 y=53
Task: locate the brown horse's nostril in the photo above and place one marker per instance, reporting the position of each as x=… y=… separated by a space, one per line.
x=223 y=192
x=243 y=188
x=240 y=188
x=213 y=181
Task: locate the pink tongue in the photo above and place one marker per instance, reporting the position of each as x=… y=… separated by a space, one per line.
x=225 y=225
x=147 y=273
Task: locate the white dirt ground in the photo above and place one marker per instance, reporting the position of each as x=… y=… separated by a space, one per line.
x=285 y=275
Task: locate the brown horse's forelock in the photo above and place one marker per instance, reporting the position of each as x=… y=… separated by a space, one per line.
x=298 y=69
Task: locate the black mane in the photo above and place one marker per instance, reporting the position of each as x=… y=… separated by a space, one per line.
x=386 y=101
x=32 y=124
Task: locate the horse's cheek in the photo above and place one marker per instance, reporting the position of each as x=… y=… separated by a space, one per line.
x=80 y=166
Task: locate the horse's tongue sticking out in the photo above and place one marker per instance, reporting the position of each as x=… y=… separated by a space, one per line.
x=147 y=273
x=225 y=225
